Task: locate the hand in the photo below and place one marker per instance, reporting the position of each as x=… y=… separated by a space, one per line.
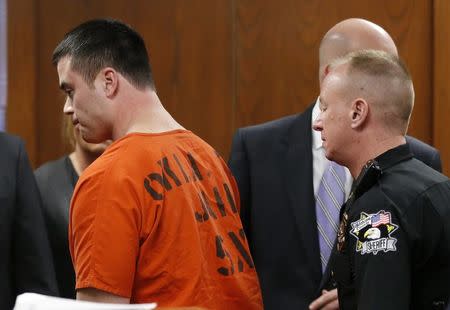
x=327 y=301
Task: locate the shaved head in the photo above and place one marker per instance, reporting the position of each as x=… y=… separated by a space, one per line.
x=352 y=35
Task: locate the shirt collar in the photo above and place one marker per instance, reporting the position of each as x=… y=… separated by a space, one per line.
x=316 y=136
x=394 y=156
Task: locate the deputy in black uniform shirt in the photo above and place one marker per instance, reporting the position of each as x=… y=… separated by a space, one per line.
x=393 y=247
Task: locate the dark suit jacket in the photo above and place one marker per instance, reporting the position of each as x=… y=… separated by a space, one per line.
x=25 y=260
x=56 y=181
x=272 y=164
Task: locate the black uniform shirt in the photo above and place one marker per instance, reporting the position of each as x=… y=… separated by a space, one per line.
x=393 y=251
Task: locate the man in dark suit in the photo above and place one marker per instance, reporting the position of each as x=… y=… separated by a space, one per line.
x=278 y=166
x=25 y=260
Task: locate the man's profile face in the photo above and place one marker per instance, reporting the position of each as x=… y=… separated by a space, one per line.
x=84 y=103
x=333 y=121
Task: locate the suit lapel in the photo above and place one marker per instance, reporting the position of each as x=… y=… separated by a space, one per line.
x=299 y=185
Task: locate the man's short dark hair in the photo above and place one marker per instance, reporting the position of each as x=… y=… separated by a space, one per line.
x=101 y=43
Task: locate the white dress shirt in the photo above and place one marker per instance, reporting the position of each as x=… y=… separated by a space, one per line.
x=320 y=162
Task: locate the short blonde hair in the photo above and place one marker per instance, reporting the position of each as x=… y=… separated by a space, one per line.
x=385 y=81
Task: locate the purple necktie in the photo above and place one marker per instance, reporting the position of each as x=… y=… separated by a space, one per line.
x=329 y=200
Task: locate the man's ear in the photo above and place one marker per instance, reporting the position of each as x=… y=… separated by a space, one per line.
x=359 y=113
x=326 y=70
x=110 y=81
x=323 y=72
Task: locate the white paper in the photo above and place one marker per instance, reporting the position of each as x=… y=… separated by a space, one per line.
x=32 y=301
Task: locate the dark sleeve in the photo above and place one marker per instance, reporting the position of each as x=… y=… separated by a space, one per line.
x=425 y=153
x=435 y=247
x=383 y=276
x=31 y=251
x=435 y=161
x=239 y=166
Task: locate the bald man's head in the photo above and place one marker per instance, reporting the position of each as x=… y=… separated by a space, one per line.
x=352 y=35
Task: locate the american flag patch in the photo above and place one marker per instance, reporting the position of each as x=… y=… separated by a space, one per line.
x=380 y=219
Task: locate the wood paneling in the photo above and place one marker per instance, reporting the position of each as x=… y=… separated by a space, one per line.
x=223 y=64
x=22 y=73
x=276 y=58
x=189 y=43
x=441 y=81
x=277 y=54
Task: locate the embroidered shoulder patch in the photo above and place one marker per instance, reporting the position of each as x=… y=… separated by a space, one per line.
x=373 y=233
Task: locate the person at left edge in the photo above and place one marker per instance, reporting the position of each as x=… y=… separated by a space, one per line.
x=25 y=259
